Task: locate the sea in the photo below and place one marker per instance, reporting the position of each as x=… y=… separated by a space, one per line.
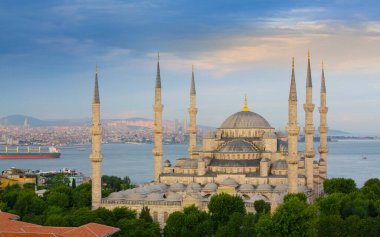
x=356 y=159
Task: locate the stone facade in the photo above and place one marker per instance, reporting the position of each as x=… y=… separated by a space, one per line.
x=245 y=156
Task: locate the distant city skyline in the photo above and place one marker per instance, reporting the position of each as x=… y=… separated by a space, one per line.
x=49 y=51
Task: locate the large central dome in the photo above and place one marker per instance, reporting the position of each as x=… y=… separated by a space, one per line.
x=245 y=119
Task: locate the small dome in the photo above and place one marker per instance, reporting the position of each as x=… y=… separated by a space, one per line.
x=194 y=187
x=174 y=197
x=281 y=188
x=264 y=188
x=210 y=187
x=246 y=188
x=116 y=195
x=280 y=165
x=229 y=182
x=155 y=197
x=258 y=197
x=237 y=146
x=177 y=187
x=136 y=196
x=245 y=119
x=265 y=160
x=143 y=190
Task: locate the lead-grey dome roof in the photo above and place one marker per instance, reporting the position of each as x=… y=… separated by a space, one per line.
x=245 y=119
x=237 y=146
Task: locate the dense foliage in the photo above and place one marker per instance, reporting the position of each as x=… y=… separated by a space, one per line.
x=345 y=211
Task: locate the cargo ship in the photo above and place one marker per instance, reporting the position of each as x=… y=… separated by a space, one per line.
x=29 y=153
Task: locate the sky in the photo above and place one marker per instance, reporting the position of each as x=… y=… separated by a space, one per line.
x=49 y=49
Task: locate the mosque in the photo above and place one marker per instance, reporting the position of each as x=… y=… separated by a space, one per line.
x=245 y=156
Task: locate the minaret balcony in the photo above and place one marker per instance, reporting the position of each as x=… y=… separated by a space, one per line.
x=323 y=149
x=323 y=129
x=157 y=129
x=293 y=130
x=323 y=110
x=96 y=131
x=309 y=154
x=308 y=130
x=157 y=152
x=308 y=107
x=193 y=110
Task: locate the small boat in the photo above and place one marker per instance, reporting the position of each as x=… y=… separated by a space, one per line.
x=364 y=158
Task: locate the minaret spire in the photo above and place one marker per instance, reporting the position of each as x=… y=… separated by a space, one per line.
x=293 y=132
x=157 y=108
x=309 y=129
x=293 y=90
x=323 y=130
x=96 y=156
x=193 y=117
x=158 y=74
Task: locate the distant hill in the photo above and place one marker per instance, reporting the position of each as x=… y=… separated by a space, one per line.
x=19 y=120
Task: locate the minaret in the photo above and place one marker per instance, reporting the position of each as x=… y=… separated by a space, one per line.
x=157 y=108
x=309 y=129
x=323 y=149
x=293 y=132
x=193 y=118
x=96 y=156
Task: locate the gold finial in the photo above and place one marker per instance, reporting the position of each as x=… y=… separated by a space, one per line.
x=158 y=56
x=245 y=108
x=322 y=65
x=96 y=69
x=308 y=53
x=192 y=67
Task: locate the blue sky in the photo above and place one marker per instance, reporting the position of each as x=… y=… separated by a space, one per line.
x=48 y=52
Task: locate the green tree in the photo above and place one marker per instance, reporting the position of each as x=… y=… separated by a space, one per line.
x=145 y=214
x=106 y=216
x=331 y=226
x=190 y=222
x=331 y=204
x=82 y=196
x=261 y=206
x=293 y=218
x=60 y=179
x=138 y=228
x=57 y=220
x=28 y=203
x=58 y=199
x=339 y=185
x=222 y=205
x=123 y=213
x=83 y=216
x=74 y=183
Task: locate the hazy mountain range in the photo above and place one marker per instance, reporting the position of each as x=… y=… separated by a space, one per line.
x=19 y=120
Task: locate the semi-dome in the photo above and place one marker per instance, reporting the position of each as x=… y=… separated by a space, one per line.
x=155 y=197
x=237 y=146
x=177 y=187
x=264 y=188
x=194 y=187
x=281 y=188
x=116 y=195
x=174 y=197
x=210 y=187
x=229 y=182
x=246 y=188
x=245 y=119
